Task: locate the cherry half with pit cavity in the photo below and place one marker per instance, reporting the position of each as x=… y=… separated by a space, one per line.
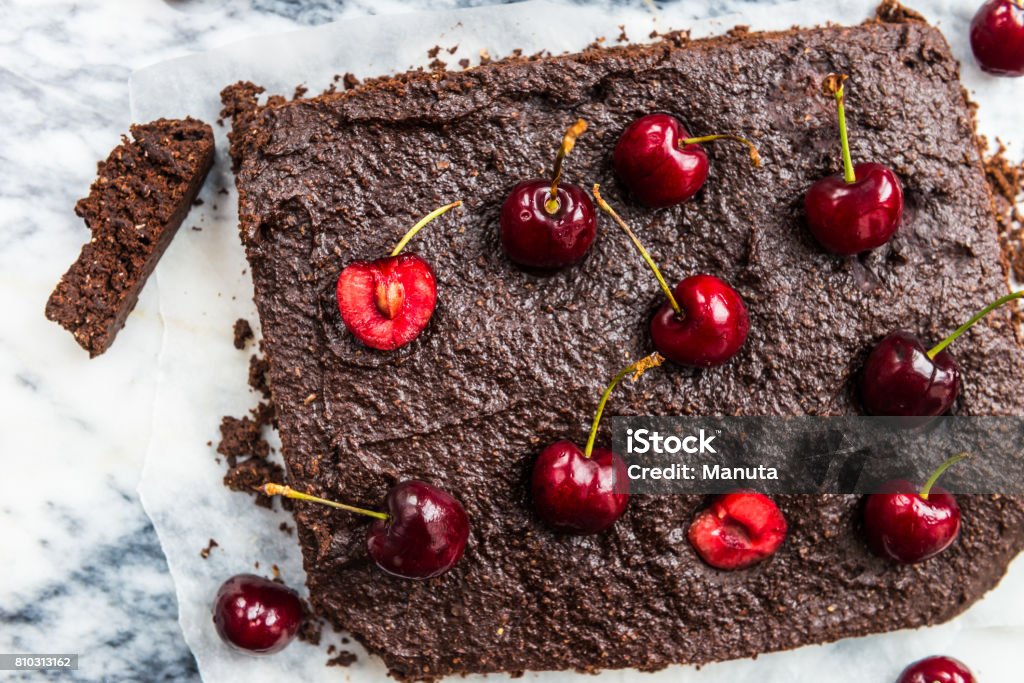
x=997 y=37
x=423 y=534
x=256 y=615
x=584 y=491
x=738 y=530
x=860 y=209
x=937 y=670
x=901 y=379
x=661 y=164
x=548 y=223
x=386 y=303
x=703 y=323
x=910 y=526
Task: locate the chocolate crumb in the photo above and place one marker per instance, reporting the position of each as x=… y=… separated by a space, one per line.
x=243 y=333
x=343 y=658
x=434 y=51
x=258 y=367
x=241 y=437
x=350 y=81
x=300 y=91
x=312 y=627
x=286 y=528
x=249 y=475
x=464 y=63
x=205 y=552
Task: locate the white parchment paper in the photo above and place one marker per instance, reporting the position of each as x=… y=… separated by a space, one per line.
x=205 y=286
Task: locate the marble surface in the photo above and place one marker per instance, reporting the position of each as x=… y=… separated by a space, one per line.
x=82 y=569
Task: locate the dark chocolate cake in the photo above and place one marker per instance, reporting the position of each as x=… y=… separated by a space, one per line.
x=141 y=195
x=512 y=360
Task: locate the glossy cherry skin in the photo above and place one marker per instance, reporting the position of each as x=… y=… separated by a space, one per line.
x=386 y=303
x=997 y=38
x=650 y=162
x=937 y=670
x=534 y=238
x=576 y=494
x=738 y=530
x=425 y=534
x=900 y=380
x=712 y=329
x=256 y=615
x=848 y=218
x=906 y=528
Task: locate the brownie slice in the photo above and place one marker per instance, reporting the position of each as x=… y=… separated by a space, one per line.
x=134 y=208
x=513 y=360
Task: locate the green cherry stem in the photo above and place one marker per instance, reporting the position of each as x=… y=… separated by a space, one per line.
x=927 y=488
x=834 y=86
x=1001 y=301
x=568 y=143
x=643 y=252
x=419 y=226
x=755 y=157
x=636 y=369
x=289 y=492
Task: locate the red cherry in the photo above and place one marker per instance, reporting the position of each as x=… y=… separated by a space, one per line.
x=860 y=209
x=850 y=217
x=997 y=37
x=660 y=163
x=937 y=670
x=256 y=615
x=703 y=323
x=386 y=303
x=900 y=379
x=547 y=224
x=576 y=493
x=534 y=237
x=738 y=530
x=584 y=491
x=712 y=328
x=422 y=535
x=908 y=526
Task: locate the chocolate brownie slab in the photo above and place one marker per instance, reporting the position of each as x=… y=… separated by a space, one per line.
x=134 y=208
x=513 y=360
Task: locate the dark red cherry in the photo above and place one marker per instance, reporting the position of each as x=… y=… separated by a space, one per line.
x=997 y=37
x=546 y=223
x=851 y=217
x=660 y=163
x=424 y=535
x=703 y=323
x=256 y=615
x=738 y=530
x=576 y=493
x=535 y=237
x=861 y=208
x=901 y=380
x=386 y=303
x=937 y=670
x=711 y=329
x=908 y=525
x=584 y=491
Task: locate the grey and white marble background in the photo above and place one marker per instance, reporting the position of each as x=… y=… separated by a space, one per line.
x=80 y=567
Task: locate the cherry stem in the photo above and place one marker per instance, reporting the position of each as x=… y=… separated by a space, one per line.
x=939 y=472
x=755 y=157
x=637 y=369
x=834 y=86
x=568 y=143
x=643 y=252
x=423 y=221
x=974 y=318
x=289 y=492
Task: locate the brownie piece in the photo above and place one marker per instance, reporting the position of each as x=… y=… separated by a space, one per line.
x=513 y=360
x=141 y=195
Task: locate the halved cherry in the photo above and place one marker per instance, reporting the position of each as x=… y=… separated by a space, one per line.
x=738 y=530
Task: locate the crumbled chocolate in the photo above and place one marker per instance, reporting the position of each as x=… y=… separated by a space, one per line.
x=242 y=437
x=258 y=368
x=349 y=81
x=1007 y=182
x=249 y=475
x=312 y=628
x=205 y=552
x=343 y=658
x=243 y=333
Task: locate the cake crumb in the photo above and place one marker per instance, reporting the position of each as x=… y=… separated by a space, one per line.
x=205 y=552
x=249 y=475
x=286 y=528
x=350 y=81
x=258 y=367
x=312 y=627
x=241 y=437
x=243 y=333
x=343 y=658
